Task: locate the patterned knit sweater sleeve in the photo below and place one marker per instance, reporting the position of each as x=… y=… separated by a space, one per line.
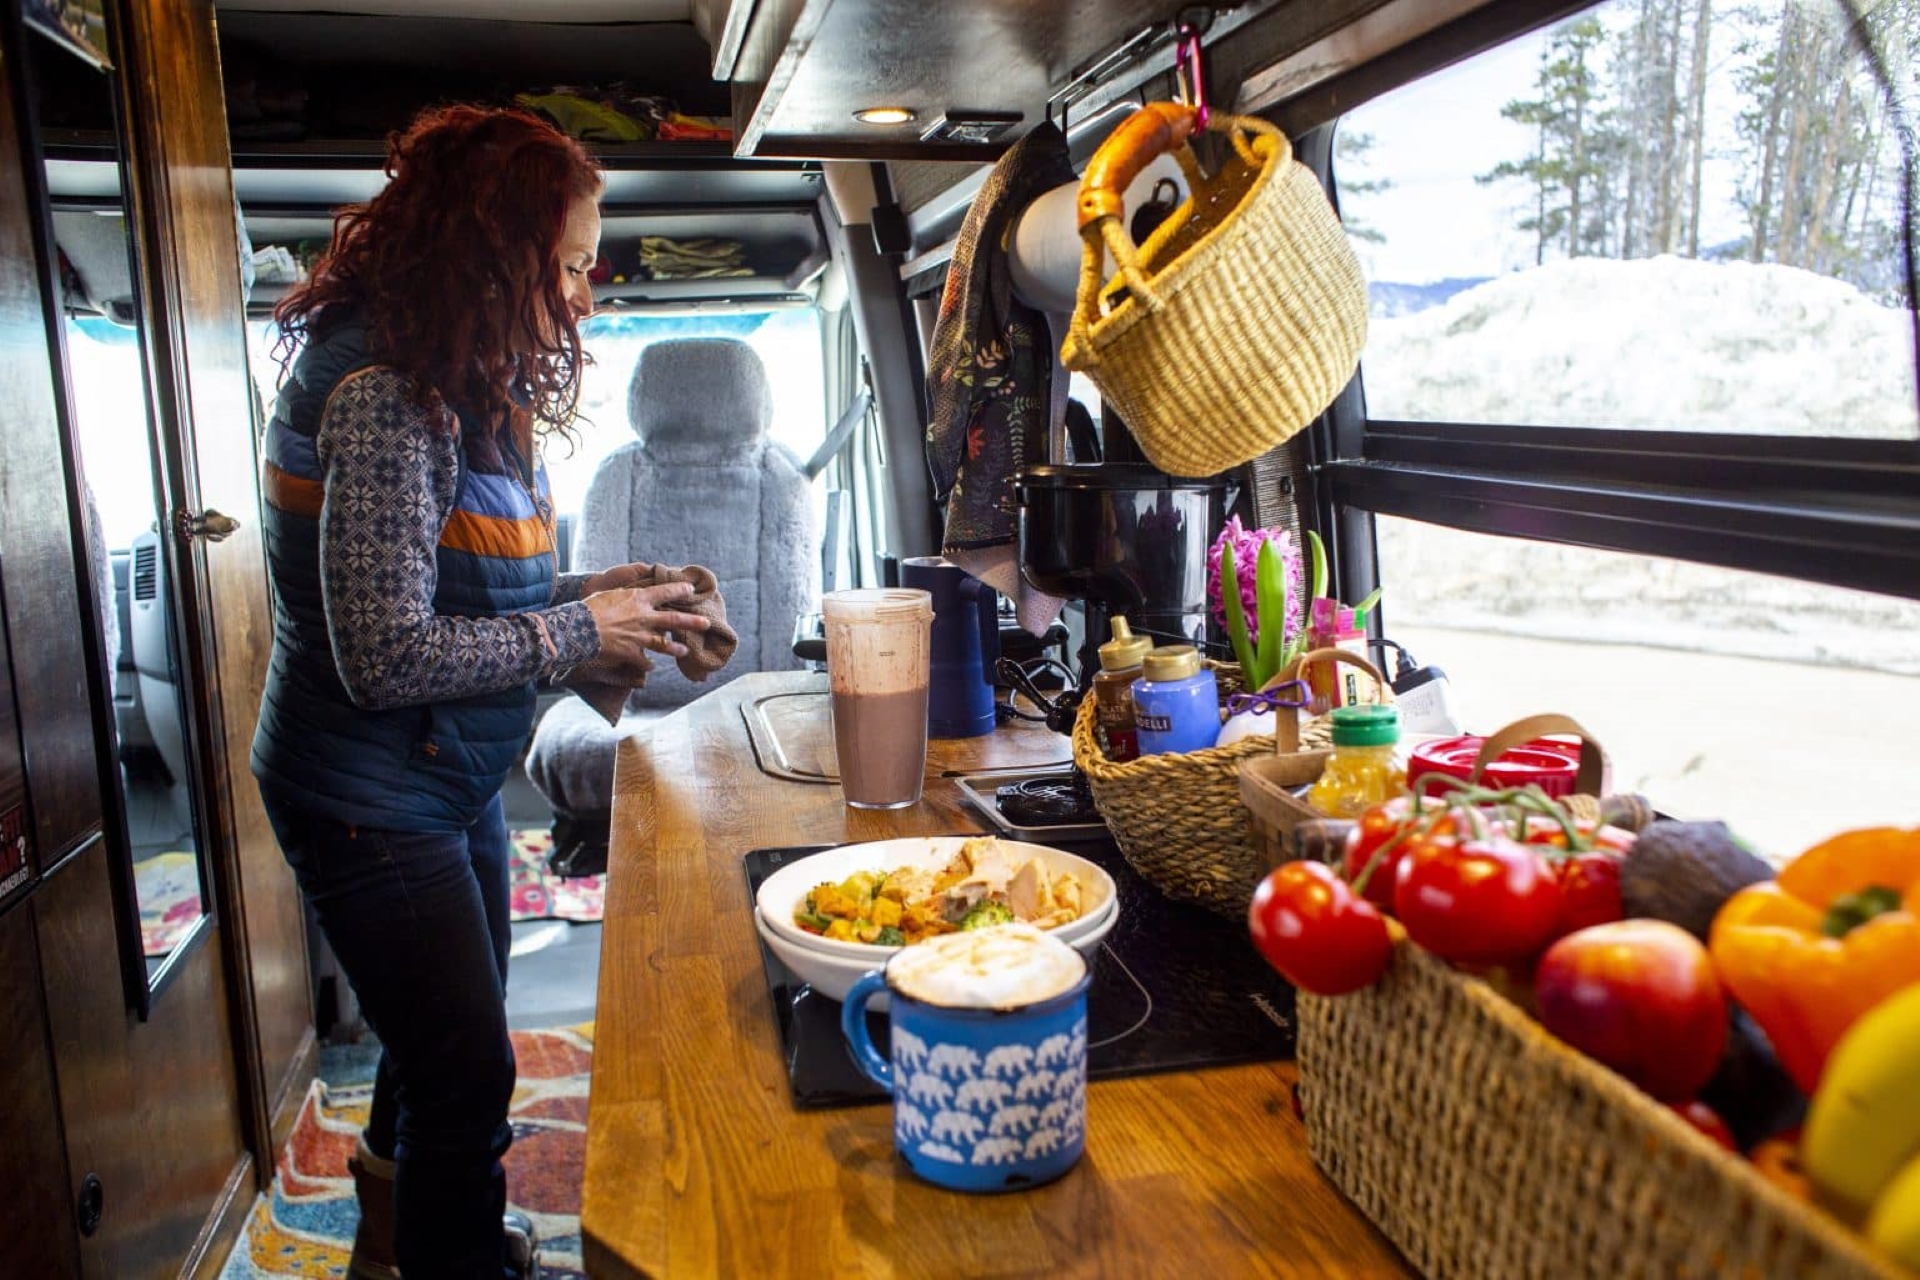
x=390 y=476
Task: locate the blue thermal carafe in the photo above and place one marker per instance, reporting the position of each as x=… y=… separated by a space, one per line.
x=966 y=644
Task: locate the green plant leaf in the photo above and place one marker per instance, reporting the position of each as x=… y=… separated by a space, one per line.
x=1270 y=597
x=1319 y=550
x=1236 y=615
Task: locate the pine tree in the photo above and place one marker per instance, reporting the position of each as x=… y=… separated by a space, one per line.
x=1563 y=168
x=1352 y=151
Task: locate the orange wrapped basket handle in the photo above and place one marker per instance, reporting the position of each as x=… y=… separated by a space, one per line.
x=1142 y=138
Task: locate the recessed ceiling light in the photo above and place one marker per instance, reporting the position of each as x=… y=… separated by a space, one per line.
x=884 y=115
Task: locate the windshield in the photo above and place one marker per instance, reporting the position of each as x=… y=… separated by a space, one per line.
x=786 y=340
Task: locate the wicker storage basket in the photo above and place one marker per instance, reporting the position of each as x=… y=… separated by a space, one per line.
x=1267 y=781
x=1484 y=1147
x=1244 y=312
x=1177 y=817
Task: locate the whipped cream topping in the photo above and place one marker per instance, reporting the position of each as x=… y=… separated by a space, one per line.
x=1004 y=967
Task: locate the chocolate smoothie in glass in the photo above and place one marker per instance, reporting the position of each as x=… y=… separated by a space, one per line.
x=878 y=653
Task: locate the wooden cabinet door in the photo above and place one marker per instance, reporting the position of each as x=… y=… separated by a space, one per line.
x=36 y=1218
x=174 y=80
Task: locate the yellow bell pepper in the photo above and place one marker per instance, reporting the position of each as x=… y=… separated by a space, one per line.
x=1838 y=932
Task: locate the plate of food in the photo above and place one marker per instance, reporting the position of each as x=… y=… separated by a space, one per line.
x=864 y=900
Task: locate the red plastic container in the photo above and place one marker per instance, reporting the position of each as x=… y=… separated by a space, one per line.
x=1553 y=763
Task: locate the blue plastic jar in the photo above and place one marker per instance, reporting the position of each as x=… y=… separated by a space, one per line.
x=1176 y=702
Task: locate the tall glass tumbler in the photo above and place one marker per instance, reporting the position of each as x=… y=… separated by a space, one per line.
x=879 y=649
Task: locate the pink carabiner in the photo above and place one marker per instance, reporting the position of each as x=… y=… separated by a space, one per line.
x=1195 y=78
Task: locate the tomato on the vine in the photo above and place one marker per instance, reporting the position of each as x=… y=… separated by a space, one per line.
x=1540 y=829
x=1486 y=900
x=1388 y=824
x=1589 y=891
x=1378 y=826
x=1313 y=928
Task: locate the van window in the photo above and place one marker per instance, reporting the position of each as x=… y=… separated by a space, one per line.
x=1675 y=216
x=110 y=408
x=1770 y=703
x=787 y=340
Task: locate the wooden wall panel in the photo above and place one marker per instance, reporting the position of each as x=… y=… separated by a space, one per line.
x=35 y=531
x=36 y=1216
x=148 y=1107
x=176 y=71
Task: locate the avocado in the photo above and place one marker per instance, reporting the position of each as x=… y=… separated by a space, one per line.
x=1750 y=1091
x=1682 y=871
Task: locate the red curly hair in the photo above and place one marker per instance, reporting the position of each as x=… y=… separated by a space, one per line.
x=454 y=265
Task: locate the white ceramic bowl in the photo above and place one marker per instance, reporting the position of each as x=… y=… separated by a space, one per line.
x=786 y=888
x=834 y=975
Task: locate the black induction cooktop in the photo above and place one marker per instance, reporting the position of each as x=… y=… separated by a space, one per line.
x=1175 y=987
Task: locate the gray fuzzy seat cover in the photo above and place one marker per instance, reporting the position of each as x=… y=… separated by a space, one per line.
x=701 y=485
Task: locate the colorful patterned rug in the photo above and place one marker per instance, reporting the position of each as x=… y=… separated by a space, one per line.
x=304 y=1226
x=167 y=887
x=538 y=895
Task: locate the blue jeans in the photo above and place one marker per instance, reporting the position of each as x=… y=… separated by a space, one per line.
x=419 y=922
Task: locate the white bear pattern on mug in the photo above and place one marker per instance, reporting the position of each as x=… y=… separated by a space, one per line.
x=1017 y=1102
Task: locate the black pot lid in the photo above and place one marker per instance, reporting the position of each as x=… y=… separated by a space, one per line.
x=1111 y=476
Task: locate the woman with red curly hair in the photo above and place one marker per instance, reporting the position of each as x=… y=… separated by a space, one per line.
x=410 y=537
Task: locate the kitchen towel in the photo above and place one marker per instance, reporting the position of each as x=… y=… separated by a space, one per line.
x=998 y=388
x=605 y=688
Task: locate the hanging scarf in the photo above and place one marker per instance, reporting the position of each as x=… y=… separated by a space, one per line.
x=997 y=385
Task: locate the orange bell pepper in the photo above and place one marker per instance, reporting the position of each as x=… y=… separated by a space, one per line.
x=1838 y=932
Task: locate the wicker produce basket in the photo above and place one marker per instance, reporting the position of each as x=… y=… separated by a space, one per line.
x=1252 y=280
x=1177 y=817
x=1268 y=780
x=1484 y=1147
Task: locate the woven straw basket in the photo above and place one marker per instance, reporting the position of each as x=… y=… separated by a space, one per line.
x=1483 y=1147
x=1267 y=781
x=1177 y=817
x=1243 y=314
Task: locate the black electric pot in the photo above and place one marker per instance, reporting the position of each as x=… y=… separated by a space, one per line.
x=1127 y=540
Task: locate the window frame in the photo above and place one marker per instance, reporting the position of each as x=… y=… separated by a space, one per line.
x=1839 y=511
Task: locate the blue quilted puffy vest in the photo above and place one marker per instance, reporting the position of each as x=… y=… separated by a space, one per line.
x=420 y=768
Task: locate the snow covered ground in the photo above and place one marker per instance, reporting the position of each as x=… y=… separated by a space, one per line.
x=1721 y=693
x=1665 y=342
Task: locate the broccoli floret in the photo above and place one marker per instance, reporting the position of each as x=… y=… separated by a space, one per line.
x=985 y=914
x=890 y=937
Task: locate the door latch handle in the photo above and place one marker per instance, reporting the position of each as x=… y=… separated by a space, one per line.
x=209 y=524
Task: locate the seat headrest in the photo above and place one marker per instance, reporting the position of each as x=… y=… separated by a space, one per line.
x=703 y=390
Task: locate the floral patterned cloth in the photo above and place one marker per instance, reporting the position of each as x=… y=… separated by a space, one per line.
x=995 y=376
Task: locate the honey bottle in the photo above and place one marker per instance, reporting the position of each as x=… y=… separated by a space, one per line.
x=1120 y=660
x=1360 y=773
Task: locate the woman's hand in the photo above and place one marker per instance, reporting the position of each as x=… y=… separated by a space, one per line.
x=621 y=576
x=632 y=620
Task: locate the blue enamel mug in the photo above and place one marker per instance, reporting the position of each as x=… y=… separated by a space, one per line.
x=984 y=1099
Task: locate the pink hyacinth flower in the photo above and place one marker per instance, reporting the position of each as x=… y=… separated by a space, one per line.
x=1246 y=555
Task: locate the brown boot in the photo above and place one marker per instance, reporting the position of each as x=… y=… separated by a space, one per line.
x=373 y=1241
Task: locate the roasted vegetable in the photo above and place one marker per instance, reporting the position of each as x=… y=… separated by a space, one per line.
x=986 y=914
x=1836 y=934
x=1681 y=872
